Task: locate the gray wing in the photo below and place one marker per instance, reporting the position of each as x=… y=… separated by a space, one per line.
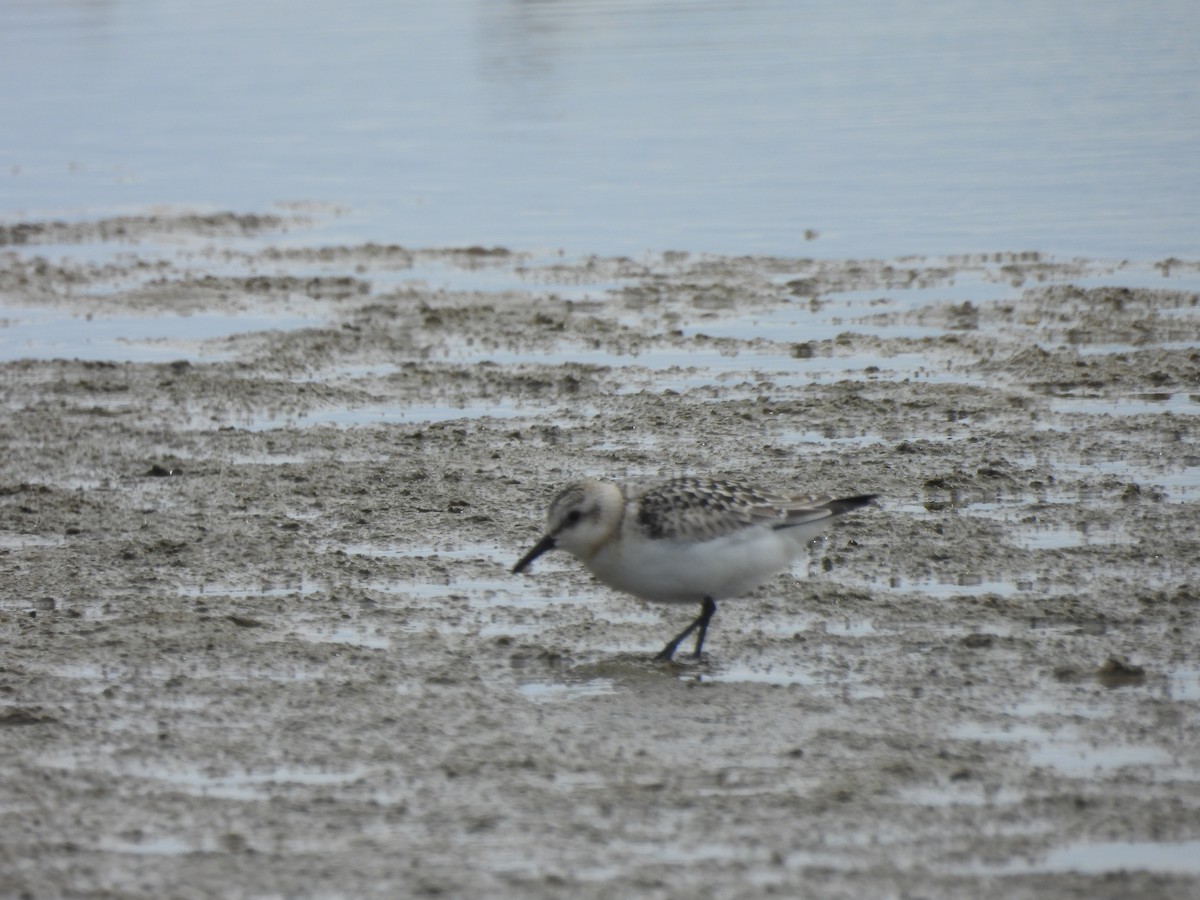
x=701 y=509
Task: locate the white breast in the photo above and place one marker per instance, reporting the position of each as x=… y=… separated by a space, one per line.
x=675 y=572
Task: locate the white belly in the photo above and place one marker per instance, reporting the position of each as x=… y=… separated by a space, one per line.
x=672 y=572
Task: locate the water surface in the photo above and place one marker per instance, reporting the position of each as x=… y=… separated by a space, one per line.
x=621 y=127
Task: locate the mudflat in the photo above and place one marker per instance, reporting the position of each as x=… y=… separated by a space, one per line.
x=258 y=634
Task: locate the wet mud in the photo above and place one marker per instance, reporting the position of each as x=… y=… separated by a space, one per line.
x=259 y=635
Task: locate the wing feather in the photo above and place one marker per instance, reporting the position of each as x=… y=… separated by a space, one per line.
x=701 y=509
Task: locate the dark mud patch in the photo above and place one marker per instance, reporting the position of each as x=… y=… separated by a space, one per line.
x=133 y=229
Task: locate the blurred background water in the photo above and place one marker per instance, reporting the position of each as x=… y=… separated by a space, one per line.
x=621 y=126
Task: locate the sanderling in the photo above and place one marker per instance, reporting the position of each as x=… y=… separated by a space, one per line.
x=684 y=540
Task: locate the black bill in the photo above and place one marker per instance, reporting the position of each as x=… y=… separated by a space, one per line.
x=544 y=545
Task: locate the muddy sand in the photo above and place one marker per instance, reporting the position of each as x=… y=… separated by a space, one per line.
x=259 y=500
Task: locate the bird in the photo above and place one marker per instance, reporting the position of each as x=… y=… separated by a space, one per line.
x=687 y=539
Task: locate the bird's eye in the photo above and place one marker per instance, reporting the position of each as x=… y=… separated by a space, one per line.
x=574 y=516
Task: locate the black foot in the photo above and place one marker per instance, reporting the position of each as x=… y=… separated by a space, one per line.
x=667 y=652
x=707 y=608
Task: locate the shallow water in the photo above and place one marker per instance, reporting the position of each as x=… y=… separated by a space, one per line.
x=621 y=127
x=1094 y=858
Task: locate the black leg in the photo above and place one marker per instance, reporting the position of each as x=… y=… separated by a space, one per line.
x=707 y=608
